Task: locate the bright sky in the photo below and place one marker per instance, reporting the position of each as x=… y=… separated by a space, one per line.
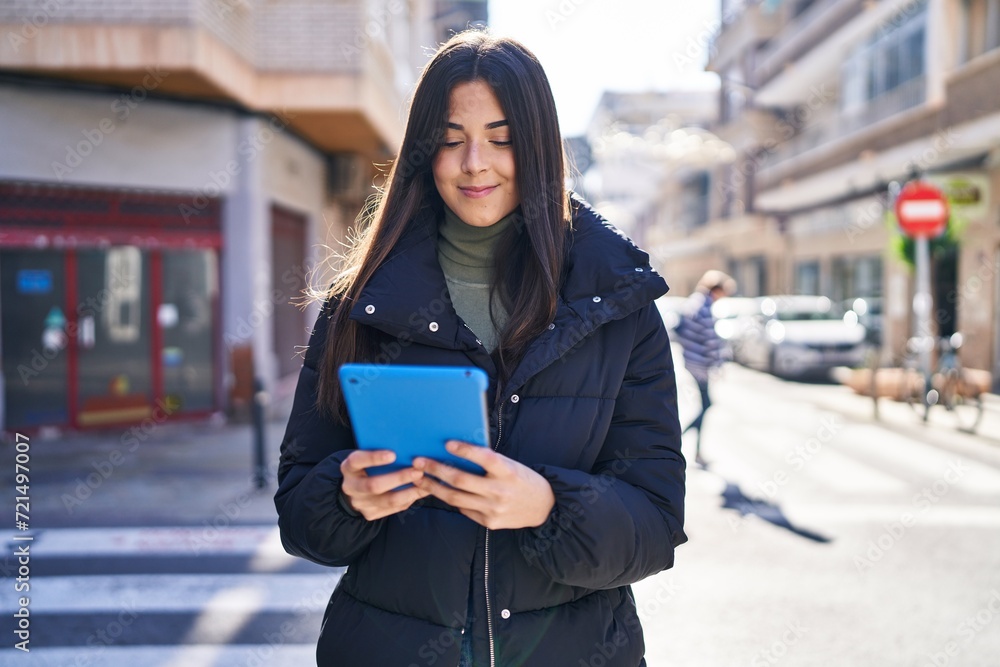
x=589 y=46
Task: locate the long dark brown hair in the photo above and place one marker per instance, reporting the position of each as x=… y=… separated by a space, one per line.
x=530 y=255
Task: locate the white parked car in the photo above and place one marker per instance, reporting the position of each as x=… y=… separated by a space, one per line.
x=796 y=336
x=734 y=320
x=671 y=308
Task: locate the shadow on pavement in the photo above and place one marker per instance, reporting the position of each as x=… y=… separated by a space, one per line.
x=734 y=498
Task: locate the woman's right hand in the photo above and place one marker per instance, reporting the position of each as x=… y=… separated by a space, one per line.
x=373 y=496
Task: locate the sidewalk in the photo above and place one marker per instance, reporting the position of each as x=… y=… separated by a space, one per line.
x=183 y=473
x=940 y=430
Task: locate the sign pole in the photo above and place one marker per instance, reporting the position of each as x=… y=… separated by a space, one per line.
x=922 y=307
x=922 y=213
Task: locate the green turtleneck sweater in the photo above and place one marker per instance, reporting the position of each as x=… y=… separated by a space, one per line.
x=466 y=256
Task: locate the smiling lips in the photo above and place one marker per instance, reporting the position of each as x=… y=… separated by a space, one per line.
x=479 y=191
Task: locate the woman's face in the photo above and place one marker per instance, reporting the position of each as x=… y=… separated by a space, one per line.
x=474 y=167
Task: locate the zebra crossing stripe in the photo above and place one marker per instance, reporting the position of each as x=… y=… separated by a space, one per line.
x=183 y=540
x=165 y=656
x=291 y=593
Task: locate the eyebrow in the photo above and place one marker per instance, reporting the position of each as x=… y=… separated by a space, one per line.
x=489 y=126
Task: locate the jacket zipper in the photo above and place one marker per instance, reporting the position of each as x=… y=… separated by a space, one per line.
x=486 y=560
x=486 y=555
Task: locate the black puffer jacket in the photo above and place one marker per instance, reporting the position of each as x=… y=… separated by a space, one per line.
x=592 y=407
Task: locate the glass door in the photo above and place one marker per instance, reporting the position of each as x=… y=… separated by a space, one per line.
x=186 y=317
x=34 y=338
x=95 y=337
x=114 y=336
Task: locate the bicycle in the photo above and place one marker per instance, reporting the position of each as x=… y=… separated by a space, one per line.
x=949 y=385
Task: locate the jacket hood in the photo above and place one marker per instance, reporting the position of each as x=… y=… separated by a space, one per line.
x=605 y=277
x=603 y=262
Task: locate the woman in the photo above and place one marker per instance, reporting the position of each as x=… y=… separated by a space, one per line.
x=703 y=347
x=476 y=255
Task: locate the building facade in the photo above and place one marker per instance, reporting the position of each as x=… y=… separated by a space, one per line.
x=172 y=176
x=829 y=105
x=637 y=141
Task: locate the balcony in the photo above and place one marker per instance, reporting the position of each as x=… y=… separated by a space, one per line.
x=750 y=128
x=741 y=32
x=972 y=89
x=802 y=34
x=832 y=126
x=311 y=63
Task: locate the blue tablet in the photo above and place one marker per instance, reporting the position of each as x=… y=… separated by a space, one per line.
x=415 y=410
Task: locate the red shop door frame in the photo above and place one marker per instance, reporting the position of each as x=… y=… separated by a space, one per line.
x=69 y=219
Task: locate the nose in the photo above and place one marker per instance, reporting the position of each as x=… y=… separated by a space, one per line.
x=472 y=161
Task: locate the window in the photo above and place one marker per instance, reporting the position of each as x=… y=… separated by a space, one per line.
x=694 y=200
x=807 y=277
x=853 y=277
x=755 y=276
x=980 y=28
x=890 y=58
x=801 y=6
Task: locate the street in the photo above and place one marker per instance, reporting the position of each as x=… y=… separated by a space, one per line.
x=817 y=537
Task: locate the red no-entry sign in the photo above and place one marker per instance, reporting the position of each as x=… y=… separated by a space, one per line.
x=922 y=210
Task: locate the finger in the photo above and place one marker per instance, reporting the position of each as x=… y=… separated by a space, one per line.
x=404 y=498
x=454 y=497
x=450 y=474
x=484 y=456
x=358 y=460
x=377 y=485
x=394 y=503
x=380 y=506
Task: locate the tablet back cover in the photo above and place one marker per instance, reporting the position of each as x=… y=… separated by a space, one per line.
x=414 y=410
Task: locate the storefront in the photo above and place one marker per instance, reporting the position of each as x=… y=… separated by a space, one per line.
x=109 y=306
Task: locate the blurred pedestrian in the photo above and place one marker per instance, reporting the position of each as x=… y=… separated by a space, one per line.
x=703 y=347
x=477 y=254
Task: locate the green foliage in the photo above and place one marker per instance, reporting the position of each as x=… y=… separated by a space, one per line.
x=904 y=248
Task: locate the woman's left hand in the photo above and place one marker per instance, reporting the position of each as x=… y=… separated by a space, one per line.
x=510 y=495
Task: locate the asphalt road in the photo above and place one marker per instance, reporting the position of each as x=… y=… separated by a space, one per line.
x=817 y=537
